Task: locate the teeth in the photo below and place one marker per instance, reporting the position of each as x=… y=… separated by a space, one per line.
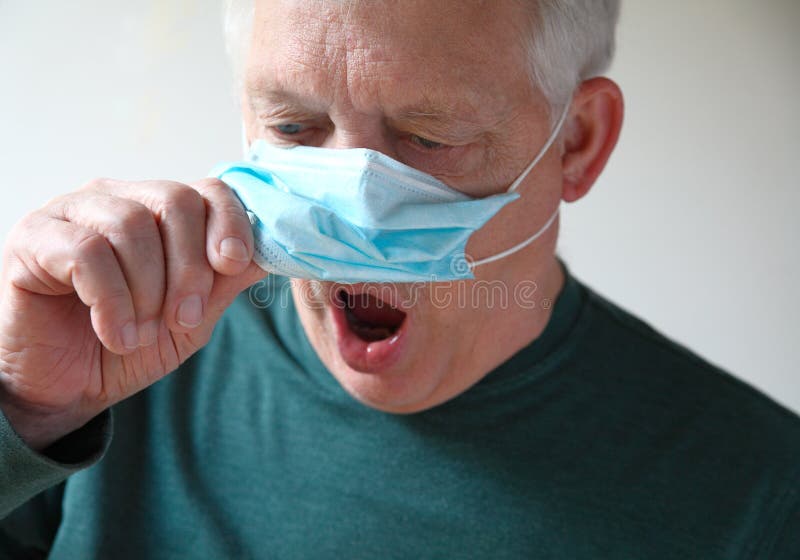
x=364 y=322
x=372 y=333
x=350 y=300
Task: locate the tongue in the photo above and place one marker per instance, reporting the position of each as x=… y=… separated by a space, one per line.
x=374 y=312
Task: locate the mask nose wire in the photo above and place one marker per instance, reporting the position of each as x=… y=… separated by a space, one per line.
x=515 y=184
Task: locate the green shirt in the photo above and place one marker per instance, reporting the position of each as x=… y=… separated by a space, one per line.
x=601 y=439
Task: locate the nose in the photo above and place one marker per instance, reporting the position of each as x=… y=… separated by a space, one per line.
x=361 y=133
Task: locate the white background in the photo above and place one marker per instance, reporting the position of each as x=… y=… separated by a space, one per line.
x=693 y=226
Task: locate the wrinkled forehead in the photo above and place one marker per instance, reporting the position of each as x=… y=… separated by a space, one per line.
x=373 y=50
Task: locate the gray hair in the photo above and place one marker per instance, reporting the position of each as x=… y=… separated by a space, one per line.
x=571 y=41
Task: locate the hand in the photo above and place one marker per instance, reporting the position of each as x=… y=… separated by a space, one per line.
x=106 y=290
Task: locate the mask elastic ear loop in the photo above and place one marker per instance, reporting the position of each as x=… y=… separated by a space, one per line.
x=515 y=184
x=519 y=246
x=545 y=148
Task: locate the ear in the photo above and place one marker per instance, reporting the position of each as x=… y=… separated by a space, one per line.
x=591 y=132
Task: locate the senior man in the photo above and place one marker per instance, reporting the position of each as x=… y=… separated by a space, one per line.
x=513 y=414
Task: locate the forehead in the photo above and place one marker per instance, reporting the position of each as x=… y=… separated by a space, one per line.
x=374 y=54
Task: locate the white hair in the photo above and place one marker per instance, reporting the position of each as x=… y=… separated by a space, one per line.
x=571 y=41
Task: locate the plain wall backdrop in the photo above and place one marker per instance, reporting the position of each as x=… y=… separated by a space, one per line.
x=692 y=226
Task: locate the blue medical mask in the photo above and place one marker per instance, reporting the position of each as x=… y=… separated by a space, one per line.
x=356 y=215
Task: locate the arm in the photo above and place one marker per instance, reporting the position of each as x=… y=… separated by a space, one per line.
x=29 y=531
x=25 y=472
x=30 y=507
x=91 y=312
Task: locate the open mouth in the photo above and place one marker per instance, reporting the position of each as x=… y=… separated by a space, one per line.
x=371 y=319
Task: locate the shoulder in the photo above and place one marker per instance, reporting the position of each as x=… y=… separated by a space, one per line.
x=673 y=379
x=709 y=437
x=638 y=347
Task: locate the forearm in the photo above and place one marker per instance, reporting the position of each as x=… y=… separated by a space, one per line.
x=25 y=472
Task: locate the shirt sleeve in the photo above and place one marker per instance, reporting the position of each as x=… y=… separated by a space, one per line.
x=24 y=473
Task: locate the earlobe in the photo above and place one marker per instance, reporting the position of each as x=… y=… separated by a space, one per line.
x=591 y=132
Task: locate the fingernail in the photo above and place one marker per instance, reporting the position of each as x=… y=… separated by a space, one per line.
x=190 y=312
x=148 y=332
x=234 y=249
x=130 y=338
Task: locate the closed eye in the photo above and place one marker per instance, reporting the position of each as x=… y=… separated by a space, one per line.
x=290 y=129
x=425 y=143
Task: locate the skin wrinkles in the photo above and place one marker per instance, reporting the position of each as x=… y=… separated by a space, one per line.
x=319 y=68
x=359 y=91
x=447 y=124
x=90 y=316
x=370 y=77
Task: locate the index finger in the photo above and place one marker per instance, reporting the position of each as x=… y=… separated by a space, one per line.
x=229 y=234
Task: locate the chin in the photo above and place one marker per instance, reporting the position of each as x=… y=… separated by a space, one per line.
x=401 y=392
x=378 y=347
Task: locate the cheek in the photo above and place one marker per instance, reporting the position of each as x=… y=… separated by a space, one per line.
x=493 y=236
x=311 y=297
x=460 y=167
x=450 y=315
x=540 y=194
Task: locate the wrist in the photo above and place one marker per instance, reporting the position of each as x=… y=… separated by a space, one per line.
x=38 y=427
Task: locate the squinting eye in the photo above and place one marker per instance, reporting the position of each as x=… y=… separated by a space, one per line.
x=425 y=143
x=290 y=128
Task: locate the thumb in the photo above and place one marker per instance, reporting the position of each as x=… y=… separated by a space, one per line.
x=226 y=288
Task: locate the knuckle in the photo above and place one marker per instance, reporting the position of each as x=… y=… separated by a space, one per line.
x=185 y=280
x=112 y=298
x=25 y=228
x=190 y=274
x=221 y=198
x=91 y=248
x=16 y=268
x=233 y=212
x=96 y=184
x=181 y=199
x=209 y=184
x=58 y=206
x=56 y=202
x=134 y=220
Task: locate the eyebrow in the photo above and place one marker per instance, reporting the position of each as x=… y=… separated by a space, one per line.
x=280 y=97
x=455 y=119
x=454 y=129
x=428 y=108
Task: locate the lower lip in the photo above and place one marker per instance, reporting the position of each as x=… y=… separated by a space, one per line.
x=364 y=356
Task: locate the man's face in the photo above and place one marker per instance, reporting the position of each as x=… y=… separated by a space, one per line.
x=442 y=87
